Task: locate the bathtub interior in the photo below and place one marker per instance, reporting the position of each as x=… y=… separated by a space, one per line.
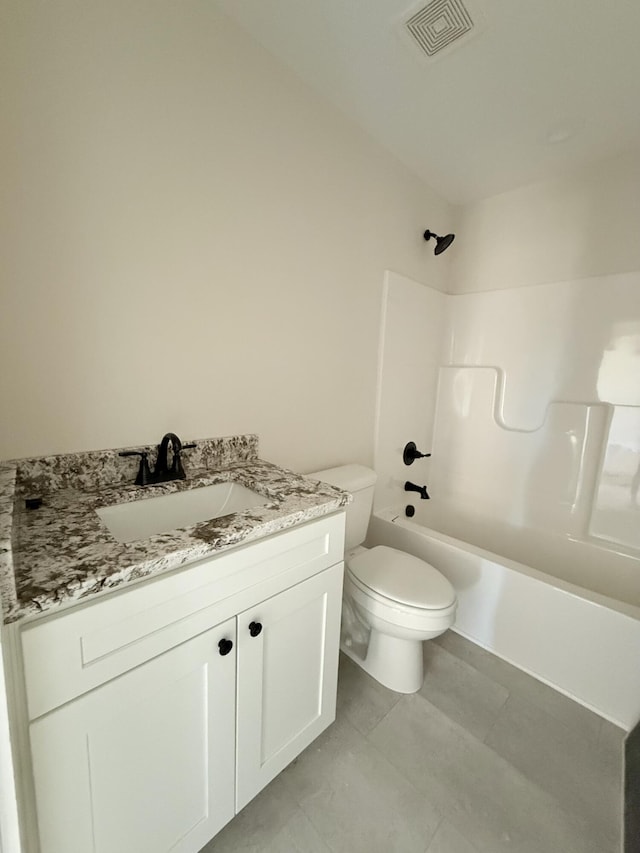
x=588 y=565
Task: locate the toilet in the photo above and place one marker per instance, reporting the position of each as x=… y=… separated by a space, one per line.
x=392 y=601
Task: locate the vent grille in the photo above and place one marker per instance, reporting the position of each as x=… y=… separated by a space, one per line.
x=438 y=24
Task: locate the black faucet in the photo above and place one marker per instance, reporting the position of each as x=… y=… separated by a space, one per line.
x=422 y=490
x=162 y=472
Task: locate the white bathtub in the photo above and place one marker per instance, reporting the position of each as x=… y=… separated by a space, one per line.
x=580 y=641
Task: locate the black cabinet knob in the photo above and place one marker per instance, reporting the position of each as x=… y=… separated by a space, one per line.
x=225 y=646
x=255 y=628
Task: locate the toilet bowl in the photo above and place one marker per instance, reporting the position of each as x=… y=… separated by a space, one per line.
x=392 y=601
x=401 y=601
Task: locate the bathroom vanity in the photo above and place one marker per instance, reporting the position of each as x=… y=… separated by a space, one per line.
x=154 y=697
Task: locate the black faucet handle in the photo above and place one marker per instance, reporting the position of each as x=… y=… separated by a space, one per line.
x=143 y=477
x=177 y=469
x=411 y=453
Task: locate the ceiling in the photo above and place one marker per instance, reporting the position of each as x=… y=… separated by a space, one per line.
x=536 y=88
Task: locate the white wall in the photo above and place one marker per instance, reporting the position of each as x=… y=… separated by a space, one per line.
x=191 y=238
x=584 y=225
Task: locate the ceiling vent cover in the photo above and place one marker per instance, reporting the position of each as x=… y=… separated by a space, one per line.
x=438 y=24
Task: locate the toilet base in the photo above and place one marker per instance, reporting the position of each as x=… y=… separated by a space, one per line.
x=394 y=662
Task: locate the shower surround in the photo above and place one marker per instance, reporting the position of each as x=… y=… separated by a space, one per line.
x=538 y=412
x=530 y=401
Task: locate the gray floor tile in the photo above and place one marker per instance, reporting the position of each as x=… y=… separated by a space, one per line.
x=485 y=759
x=362 y=699
x=260 y=822
x=461 y=691
x=486 y=798
x=298 y=836
x=582 y=720
x=557 y=759
x=448 y=840
x=357 y=800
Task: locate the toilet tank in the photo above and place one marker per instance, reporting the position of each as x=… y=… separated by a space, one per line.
x=359 y=481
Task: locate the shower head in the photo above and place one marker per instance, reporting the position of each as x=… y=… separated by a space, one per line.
x=442 y=243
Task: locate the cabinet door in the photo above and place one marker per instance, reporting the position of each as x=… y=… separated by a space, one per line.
x=287 y=675
x=145 y=763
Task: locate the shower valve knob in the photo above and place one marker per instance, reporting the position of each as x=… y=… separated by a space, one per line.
x=411 y=453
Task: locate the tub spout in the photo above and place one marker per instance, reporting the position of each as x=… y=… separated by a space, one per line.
x=421 y=490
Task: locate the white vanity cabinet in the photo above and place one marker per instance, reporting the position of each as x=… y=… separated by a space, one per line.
x=158 y=713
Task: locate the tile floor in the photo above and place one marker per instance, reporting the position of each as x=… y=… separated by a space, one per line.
x=483 y=759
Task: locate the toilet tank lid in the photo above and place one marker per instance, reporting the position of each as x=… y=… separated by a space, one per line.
x=350 y=478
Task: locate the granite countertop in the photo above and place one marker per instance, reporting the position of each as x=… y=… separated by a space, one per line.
x=62 y=552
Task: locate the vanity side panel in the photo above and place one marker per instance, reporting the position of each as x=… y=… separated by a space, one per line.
x=9 y=822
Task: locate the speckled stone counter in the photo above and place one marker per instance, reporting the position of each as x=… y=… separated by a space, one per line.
x=62 y=553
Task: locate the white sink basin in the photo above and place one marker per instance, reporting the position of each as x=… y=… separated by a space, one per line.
x=140 y=519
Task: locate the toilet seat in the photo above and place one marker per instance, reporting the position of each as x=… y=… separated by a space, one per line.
x=401 y=580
